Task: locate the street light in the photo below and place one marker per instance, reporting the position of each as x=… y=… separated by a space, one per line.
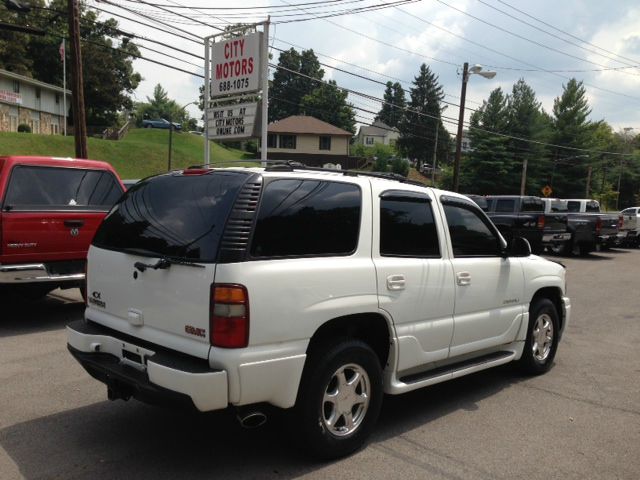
x=171 y=133
x=466 y=73
x=435 y=148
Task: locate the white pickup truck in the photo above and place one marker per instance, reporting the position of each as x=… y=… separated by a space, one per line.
x=631 y=226
x=310 y=290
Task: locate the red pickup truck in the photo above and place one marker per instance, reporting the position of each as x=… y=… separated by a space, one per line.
x=50 y=209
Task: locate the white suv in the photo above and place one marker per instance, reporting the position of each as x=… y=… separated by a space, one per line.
x=319 y=290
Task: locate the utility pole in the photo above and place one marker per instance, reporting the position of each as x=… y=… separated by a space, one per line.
x=456 y=161
x=77 y=84
x=587 y=191
x=523 y=182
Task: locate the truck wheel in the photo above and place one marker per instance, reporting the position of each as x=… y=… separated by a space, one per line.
x=542 y=337
x=563 y=248
x=340 y=399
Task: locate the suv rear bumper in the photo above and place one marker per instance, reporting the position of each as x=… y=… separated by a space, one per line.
x=150 y=373
x=34 y=273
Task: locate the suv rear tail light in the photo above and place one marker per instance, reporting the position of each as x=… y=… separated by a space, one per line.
x=540 y=222
x=229 y=316
x=620 y=222
x=598 y=226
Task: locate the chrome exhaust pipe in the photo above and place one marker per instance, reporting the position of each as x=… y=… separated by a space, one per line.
x=253 y=419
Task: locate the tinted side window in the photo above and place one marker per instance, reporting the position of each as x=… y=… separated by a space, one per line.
x=307 y=218
x=573 y=206
x=470 y=234
x=532 y=205
x=47 y=188
x=407 y=228
x=505 y=205
x=592 y=207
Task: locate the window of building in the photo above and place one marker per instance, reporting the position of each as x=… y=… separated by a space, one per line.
x=325 y=142
x=16 y=86
x=272 y=141
x=407 y=228
x=288 y=141
x=471 y=233
x=299 y=218
x=368 y=140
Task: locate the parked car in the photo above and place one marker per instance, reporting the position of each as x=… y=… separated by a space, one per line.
x=517 y=216
x=318 y=291
x=631 y=226
x=160 y=123
x=50 y=210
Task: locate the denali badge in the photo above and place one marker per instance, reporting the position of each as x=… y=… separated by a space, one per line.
x=96 y=299
x=198 y=332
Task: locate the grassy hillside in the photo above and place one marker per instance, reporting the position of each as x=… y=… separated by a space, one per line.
x=141 y=153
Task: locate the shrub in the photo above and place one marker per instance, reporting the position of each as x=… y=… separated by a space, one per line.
x=400 y=166
x=23 y=127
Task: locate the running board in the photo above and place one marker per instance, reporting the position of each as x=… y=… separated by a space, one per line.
x=449 y=372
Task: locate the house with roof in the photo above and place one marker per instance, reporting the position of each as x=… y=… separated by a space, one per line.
x=308 y=140
x=379 y=132
x=24 y=100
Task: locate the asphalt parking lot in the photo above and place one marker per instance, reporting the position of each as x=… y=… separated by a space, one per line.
x=581 y=420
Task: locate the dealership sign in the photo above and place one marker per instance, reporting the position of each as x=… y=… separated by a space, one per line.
x=10 y=97
x=232 y=121
x=235 y=65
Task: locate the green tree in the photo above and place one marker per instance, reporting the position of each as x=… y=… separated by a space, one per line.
x=393 y=109
x=487 y=167
x=160 y=106
x=329 y=104
x=571 y=128
x=526 y=120
x=107 y=54
x=418 y=125
x=290 y=83
x=14 y=45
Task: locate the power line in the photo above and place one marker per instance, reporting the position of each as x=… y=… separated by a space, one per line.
x=567 y=33
x=521 y=37
x=511 y=57
x=559 y=37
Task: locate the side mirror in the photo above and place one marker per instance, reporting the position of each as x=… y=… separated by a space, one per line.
x=519 y=247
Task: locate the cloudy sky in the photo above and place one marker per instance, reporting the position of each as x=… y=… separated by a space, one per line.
x=544 y=42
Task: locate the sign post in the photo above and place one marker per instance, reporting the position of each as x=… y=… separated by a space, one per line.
x=236 y=72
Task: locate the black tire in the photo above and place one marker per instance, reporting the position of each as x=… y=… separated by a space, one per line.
x=148 y=126
x=543 y=317
x=321 y=439
x=564 y=248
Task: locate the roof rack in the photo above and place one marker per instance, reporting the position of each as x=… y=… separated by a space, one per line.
x=290 y=166
x=287 y=166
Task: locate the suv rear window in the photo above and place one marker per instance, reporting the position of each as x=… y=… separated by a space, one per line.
x=176 y=216
x=300 y=218
x=58 y=188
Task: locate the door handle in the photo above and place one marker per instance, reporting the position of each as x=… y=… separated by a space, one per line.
x=463 y=279
x=73 y=223
x=396 y=282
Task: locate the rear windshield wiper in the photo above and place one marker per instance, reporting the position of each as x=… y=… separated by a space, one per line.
x=164 y=263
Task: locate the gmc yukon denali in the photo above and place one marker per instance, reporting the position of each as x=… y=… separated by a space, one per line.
x=310 y=290
x=50 y=210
